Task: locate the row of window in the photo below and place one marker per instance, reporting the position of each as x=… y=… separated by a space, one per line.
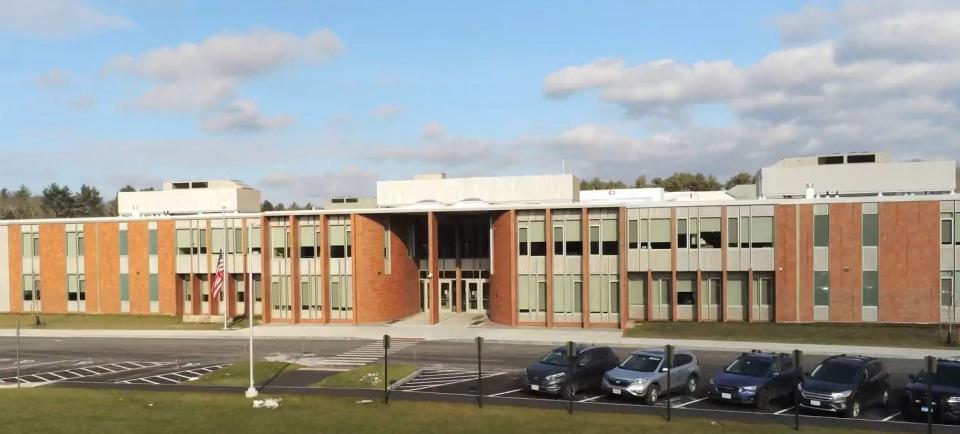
x=77 y=287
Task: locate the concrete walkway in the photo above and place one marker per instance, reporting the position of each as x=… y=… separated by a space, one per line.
x=491 y=333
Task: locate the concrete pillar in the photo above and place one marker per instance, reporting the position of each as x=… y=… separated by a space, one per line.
x=432 y=269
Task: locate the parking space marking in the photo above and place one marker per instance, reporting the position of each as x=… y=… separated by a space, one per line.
x=784 y=410
x=72 y=374
x=507 y=392
x=165 y=378
x=887 y=419
x=692 y=402
x=591 y=398
x=431 y=378
x=26 y=364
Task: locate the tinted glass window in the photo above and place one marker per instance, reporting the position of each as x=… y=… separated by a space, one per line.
x=641 y=363
x=681 y=359
x=948 y=375
x=873 y=370
x=556 y=357
x=752 y=366
x=786 y=364
x=836 y=372
x=586 y=358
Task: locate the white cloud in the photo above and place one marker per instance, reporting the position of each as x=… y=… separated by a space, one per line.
x=57 y=18
x=204 y=76
x=881 y=75
x=388 y=111
x=432 y=131
x=242 y=115
x=53 y=78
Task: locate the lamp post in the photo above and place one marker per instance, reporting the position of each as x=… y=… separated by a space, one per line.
x=251 y=302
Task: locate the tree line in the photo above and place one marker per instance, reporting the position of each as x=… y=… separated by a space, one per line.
x=679 y=181
x=57 y=200
x=269 y=206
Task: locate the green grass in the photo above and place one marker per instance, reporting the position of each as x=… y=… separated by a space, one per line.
x=238 y=374
x=369 y=376
x=82 y=321
x=878 y=335
x=52 y=410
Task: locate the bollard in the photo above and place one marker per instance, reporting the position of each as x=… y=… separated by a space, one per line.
x=668 y=353
x=571 y=358
x=386 y=379
x=480 y=371
x=798 y=378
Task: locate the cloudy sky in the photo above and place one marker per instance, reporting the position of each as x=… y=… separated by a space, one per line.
x=305 y=99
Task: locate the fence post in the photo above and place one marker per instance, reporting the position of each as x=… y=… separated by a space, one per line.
x=572 y=358
x=669 y=356
x=18 y=353
x=798 y=378
x=931 y=371
x=386 y=378
x=480 y=371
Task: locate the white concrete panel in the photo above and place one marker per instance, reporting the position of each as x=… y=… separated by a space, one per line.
x=947 y=257
x=762 y=259
x=711 y=260
x=868 y=208
x=733 y=260
x=821 y=209
x=547 y=188
x=694 y=263
x=710 y=211
x=735 y=313
x=821 y=313
x=638 y=311
x=633 y=260
x=643 y=260
x=869 y=256
x=72 y=266
x=188 y=201
x=683 y=212
x=733 y=211
x=154 y=307
x=745 y=260
x=4 y=270
x=821 y=259
x=81 y=264
x=779 y=180
x=124 y=265
x=660 y=213
x=761 y=210
x=153 y=266
x=611 y=264
x=253 y=263
x=124 y=306
x=683 y=260
x=183 y=264
x=869 y=314
x=684 y=313
x=947 y=206
x=660 y=260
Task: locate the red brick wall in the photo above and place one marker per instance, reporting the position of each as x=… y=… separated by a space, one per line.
x=170 y=296
x=785 y=259
x=845 y=262
x=382 y=297
x=53 y=268
x=909 y=266
x=138 y=267
x=108 y=291
x=502 y=278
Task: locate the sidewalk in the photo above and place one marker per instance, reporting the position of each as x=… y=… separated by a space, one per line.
x=492 y=334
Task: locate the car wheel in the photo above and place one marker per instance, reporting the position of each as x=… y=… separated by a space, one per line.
x=763 y=399
x=854 y=410
x=569 y=391
x=691 y=384
x=653 y=393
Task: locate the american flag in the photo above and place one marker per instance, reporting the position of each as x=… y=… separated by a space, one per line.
x=218 y=278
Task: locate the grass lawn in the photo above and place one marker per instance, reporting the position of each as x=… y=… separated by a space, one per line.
x=369 y=376
x=68 y=410
x=238 y=374
x=878 y=335
x=106 y=322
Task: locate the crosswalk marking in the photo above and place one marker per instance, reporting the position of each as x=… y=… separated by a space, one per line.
x=430 y=378
x=357 y=357
x=73 y=374
x=170 y=378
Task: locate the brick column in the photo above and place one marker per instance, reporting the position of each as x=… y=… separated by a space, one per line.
x=548 y=237
x=432 y=269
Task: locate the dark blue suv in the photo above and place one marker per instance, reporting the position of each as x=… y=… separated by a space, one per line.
x=844 y=385
x=754 y=378
x=945 y=400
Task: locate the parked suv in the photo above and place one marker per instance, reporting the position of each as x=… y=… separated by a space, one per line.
x=554 y=373
x=845 y=385
x=754 y=378
x=644 y=375
x=946 y=393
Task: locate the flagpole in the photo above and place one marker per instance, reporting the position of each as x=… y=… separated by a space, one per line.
x=223 y=283
x=251 y=299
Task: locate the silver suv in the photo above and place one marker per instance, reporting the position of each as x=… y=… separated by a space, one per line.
x=644 y=375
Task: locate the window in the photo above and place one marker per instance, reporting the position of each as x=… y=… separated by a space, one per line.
x=821 y=288
x=745 y=232
x=633 y=236
x=558 y=240
x=762 y=232
x=184 y=246
x=682 y=359
x=682 y=233
x=693 y=228
x=278 y=238
x=152 y=242
x=203 y=241
x=123 y=242
x=821 y=231
x=386 y=239
x=308 y=241
x=685 y=294
x=31 y=285
x=339 y=235
x=154 y=287
x=946 y=228
x=946 y=289
x=124 y=287
x=870 y=230
x=644 y=234
x=871 y=292
x=238 y=240
x=594 y=240
x=71 y=244
x=523 y=248
x=573 y=245
x=831 y=159
x=73 y=287
x=254 y=239
x=861 y=158
x=637 y=289
x=660 y=233
x=82 y=287
x=710 y=233
x=608 y=237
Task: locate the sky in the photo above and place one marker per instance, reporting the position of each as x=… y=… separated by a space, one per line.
x=310 y=99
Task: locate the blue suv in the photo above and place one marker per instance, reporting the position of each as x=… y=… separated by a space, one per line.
x=755 y=378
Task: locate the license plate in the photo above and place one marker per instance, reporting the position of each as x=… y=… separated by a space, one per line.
x=616 y=391
x=726 y=396
x=534 y=387
x=814 y=403
x=924 y=410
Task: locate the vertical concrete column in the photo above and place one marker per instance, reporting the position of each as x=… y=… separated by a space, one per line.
x=248 y=295
x=514 y=311
x=295 y=268
x=723 y=263
x=324 y=255
x=585 y=266
x=622 y=267
x=750 y=296
x=211 y=270
x=265 y=277
x=673 y=264
x=649 y=306
x=353 y=266
x=548 y=237
x=697 y=299
x=457 y=284
x=432 y=269
x=195 y=289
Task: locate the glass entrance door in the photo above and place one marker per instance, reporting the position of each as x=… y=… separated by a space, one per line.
x=424 y=295
x=446 y=295
x=710 y=298
x=472 y=297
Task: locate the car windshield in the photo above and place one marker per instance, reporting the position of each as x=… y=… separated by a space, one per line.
x=751 y=366
x=836 y=372
x=556 y=357
x=641 y=363
x=946 y=375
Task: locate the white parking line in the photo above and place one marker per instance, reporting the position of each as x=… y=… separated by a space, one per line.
x=591 y=398
x=784 y=410
x=507 y=392
x=691 y=402
x=454 y=382
x=891 y=417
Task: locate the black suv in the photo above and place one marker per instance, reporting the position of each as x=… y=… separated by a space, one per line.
x=946 y=393
x=554 y=374
x=845 y=385
x=754 y=378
